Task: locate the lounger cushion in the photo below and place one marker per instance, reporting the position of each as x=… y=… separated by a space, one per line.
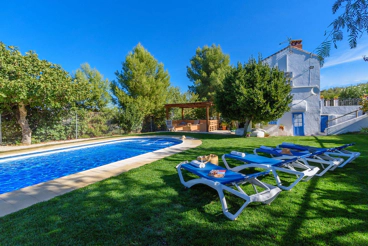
x=230 y=176
x=256 y=159
x=278 y=152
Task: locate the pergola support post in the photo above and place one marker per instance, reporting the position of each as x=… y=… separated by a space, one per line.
x=206 y=105
x=167 y=113
x=208 y=118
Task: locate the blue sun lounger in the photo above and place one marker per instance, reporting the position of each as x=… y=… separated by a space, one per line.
x=272 y=164
x=231 y=179
x=299 y=165
x=338 y=153
x=317 y=157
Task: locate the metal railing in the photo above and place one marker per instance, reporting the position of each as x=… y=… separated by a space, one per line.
x=342 y=102
x=350 y=102
x=356 y=112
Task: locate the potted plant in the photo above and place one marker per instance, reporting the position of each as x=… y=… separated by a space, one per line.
x=233 y=129
x=248 y=134
x=223 y=125
x=281 y=127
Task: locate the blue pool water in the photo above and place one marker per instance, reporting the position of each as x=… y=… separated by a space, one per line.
x=30 y=169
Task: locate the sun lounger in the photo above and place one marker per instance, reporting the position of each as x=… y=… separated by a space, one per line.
x=226 y=183
x=256 y=161
x=338 y=153
x=298 y=165
x=326 y=163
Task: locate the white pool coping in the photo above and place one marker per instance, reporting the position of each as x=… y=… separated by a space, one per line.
x=16 y=200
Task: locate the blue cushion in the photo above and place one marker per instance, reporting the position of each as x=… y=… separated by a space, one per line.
x=257 y=159
x=250 y=158
x=229 y=177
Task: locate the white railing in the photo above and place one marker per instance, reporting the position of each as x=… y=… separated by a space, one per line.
x=341 y=102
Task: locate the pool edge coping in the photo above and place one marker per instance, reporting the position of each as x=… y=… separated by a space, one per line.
x=14 y=201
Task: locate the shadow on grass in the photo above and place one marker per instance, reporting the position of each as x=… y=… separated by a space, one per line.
x=149 y=206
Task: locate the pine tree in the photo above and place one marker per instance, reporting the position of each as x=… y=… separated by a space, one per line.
x=98 y=96
x=207 y=71
x=141 y=84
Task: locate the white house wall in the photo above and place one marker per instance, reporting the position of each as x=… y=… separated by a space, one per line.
x=303 y=80
x=336 y=111
x=339 y=110
x=353 y=125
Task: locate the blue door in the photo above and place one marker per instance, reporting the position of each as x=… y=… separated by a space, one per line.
x=298 y=124
x=324 y=119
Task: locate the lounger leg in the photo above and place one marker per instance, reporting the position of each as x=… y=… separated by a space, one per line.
x=325 y=165
x=309 y=171
x=266 y=196
x=300 y=176
x=220 y=190
x=344 y=153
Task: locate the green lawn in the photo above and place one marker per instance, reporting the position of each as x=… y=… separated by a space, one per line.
x=149 y=206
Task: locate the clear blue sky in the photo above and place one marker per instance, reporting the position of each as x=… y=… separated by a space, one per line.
x=102 y=33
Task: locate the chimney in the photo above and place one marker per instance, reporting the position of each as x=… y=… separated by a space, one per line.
x=296 y=43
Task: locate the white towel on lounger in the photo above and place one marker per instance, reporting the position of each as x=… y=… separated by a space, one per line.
x=198 y=164
x=238 y=153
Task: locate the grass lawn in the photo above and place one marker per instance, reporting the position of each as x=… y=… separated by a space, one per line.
x=149 y=206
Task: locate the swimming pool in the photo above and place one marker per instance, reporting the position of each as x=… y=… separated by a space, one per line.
x=24 y=170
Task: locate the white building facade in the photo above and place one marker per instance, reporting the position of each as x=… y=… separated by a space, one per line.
x=302 y=69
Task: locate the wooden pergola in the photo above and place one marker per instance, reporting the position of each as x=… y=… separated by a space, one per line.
x=206 y=105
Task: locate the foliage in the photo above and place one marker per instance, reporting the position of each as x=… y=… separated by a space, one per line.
x=254 y=92
x=98 y=96
x=132 y=117
x=142 y=79
x=224 y=123
x=158 y=120
x=27 y=81
x=364 y=130
x=354 y=91
x=364 y=104
x=142 y=85
x=353 y=19
x=48 y=127
x=331 y=93
x=175 y=96
x=10 y=130
x=207 y=71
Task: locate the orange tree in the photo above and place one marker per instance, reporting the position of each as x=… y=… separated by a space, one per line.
x=253 y=92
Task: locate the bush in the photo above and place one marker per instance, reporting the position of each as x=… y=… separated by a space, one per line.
x=364 y=104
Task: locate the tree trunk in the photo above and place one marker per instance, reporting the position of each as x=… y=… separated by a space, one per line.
x=246 y=124
x=23 y=122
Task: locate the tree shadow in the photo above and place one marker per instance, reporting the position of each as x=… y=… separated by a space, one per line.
x=149 y=206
